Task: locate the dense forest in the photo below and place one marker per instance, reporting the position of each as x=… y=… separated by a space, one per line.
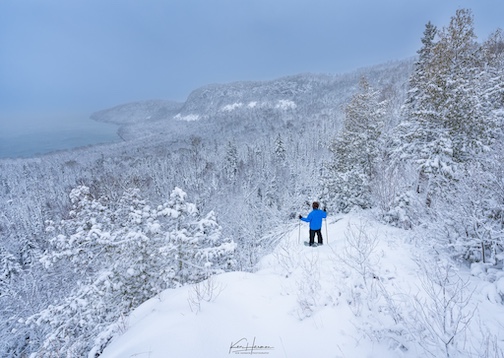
x=205 y=186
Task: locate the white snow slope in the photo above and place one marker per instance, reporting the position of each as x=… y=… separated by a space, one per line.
x=371 y=291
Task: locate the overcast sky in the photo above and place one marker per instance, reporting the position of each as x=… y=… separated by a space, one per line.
x=94 y=54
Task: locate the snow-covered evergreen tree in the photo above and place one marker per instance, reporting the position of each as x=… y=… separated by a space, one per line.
x=452 y=119
x=231 y=160
x=416 y=103
x=492 y=83
x=355 y=151
x=280 y=149
x=444 y=123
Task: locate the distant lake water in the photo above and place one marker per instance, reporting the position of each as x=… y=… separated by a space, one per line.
x=23 y=135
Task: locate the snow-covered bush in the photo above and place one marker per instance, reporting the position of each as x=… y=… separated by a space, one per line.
x=442 y=311
x=308 y=286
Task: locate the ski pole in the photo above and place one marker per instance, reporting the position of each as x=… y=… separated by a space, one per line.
x=299 y=231
x=326 y=235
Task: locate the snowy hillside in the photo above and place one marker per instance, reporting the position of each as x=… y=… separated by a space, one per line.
x=369 y=292
x=250 y=108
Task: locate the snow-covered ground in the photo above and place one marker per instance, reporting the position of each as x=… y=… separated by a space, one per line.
x=371 y=291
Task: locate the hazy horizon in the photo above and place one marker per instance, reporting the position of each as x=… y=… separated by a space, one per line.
x=90 y=55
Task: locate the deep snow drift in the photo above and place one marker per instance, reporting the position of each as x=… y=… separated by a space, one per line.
x=368 y=292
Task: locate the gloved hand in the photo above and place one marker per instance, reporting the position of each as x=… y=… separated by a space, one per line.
x=300 y=216
x=325 y=209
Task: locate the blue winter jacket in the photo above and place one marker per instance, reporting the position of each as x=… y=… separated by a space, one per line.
x=315 y=219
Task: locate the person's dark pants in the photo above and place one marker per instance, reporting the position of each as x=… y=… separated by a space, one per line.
x=312 y=236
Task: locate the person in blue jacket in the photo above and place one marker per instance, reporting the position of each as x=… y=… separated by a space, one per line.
x=315 y=220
